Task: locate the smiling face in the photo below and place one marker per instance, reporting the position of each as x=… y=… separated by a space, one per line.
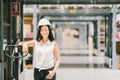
x=44 y=31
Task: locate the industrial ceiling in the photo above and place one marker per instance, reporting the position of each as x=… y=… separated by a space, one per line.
x=71 y=1
x=71 y=12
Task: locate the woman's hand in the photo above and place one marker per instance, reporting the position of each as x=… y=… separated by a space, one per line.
x=26 y=44
x=50 y=75
x=25 y=48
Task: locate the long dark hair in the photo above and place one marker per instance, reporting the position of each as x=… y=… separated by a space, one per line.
x=39 y=36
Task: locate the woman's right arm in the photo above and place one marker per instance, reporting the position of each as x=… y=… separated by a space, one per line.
x=27 y=44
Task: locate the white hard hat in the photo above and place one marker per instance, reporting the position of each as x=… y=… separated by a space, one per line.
x=44 y=21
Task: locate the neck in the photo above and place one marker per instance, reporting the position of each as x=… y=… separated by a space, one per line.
x=44 y=40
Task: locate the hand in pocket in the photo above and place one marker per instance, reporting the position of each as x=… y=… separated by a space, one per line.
x=50 y=75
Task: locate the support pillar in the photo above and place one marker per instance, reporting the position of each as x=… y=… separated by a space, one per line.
x=34 y=20
x=98 y=37
x=114 y=20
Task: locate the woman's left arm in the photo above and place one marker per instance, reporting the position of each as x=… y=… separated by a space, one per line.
x=57 y=57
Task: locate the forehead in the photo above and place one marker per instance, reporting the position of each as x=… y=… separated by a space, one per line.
x=44 y=27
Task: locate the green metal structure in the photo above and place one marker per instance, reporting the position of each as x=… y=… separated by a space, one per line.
x=1 y=41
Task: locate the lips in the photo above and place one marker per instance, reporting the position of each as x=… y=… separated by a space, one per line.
x=45 y=35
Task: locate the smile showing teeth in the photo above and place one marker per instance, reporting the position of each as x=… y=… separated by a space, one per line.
x=44 y=35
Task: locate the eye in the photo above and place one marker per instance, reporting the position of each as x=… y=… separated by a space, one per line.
x=45 y=30
x=42 y=30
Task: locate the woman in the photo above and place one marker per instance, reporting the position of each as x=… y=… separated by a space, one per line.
x=46 y=57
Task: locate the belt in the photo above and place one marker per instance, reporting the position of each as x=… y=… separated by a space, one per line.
x=44 y=69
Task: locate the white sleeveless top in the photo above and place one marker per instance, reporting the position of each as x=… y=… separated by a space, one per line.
x=43 y=56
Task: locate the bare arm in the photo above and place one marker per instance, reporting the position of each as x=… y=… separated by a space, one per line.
x=27 y=44
x=57 y=57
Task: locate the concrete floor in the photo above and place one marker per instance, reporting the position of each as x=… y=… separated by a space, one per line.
x=79 y=74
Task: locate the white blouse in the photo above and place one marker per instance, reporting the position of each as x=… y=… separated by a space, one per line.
x=43 y=56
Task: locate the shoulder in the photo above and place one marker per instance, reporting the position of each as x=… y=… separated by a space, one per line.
x=36 y=42
x=54 y=42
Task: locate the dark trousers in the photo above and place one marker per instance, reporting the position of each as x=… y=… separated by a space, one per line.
x=41 y=75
